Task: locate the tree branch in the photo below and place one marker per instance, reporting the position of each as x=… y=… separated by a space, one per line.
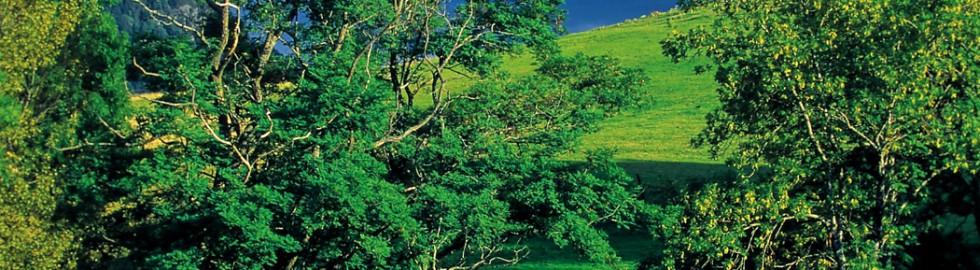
x=147 y=73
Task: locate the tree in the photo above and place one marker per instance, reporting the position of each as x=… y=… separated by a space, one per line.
x=282 y=142
x=859 y=110
x=50 y=96
x=29 y=188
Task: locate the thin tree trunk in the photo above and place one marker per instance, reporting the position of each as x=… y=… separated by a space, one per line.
x=395 y=82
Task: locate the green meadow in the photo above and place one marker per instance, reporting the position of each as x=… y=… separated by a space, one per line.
x=652 y=142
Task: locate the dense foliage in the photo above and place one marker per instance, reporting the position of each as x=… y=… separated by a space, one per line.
x=378 y=134
x=61 y=67
x=855 y=122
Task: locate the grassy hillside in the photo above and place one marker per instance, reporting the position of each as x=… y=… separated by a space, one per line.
x=654 y=142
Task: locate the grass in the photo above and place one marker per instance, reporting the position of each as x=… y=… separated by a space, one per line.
x=652 y=143
x=544 y=255
x=679 y=99
x=662 y=131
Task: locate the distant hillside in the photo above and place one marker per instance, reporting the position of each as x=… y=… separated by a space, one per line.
x=134 y=20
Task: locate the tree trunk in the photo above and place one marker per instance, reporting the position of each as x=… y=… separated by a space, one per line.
x=975 y=192
x=395 y=82
x=836 y=222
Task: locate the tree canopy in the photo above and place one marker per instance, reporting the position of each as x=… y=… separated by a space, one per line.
x=328 y=134
x=60 y=80
x=849 y=117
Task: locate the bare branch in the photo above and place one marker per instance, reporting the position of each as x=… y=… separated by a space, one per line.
x=799 y=260
x=113 y=130
x=272 y=125
x=211 y=131
x=216 y=62
x=228 y=4
x=235 y=34
x=271 y=39
x=412 y=129
x=847 y=122
x=809 y=125
x=784 y=219
x=147 y=73
x=294 y=140
x=87 y=143
x=238 y=153
x=607 y=216
x=184 y=104
x=405 y=134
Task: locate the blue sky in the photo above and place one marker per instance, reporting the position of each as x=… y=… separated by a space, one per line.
x=587 y=14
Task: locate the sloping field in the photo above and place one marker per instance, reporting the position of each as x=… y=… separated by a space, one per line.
x=660 y=133
x=653 y=142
